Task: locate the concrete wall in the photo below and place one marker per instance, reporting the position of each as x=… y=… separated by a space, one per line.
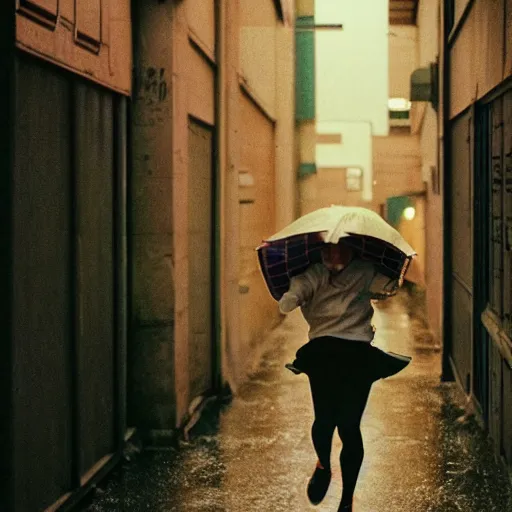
x=476 y=65
x=266 y=174
x=251 y=58
x=152 y=394
x=397 y=163
x=403 y=59
x=428 y=131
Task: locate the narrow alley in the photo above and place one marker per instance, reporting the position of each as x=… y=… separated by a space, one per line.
x=422 y=455
x=169 y=168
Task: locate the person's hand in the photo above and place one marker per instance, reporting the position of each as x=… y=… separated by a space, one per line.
x=289 y=301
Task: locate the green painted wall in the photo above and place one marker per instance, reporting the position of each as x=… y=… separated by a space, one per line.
x=395 y=208
x=305 y=70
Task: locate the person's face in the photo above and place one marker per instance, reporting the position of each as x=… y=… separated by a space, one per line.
x=336 y=256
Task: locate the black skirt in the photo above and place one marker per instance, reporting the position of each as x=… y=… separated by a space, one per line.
x=348 y=358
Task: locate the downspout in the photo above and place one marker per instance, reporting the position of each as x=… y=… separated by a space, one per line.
x=7 y=152
x=219 y=185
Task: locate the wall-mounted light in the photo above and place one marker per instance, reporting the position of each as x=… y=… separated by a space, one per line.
x=409 y=213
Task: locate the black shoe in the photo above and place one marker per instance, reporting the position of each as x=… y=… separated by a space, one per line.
x=318 y=485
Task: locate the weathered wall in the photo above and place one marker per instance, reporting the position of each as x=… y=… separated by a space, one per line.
x=66 y=249
x=286 y=193
x=256 y=170
x=480 y=57
x=151 y=398
x=326 y=187
x=258 y=51
x=403 y=59
x=428 y=44
x=397 y=164
x=265 y=167
x=477 y=326
x=90 y=38
x=396 y=157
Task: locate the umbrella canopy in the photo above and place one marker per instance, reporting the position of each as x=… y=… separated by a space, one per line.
x=293 y=249
x=335 y=222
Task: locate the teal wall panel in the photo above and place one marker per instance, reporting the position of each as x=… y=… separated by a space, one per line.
x=305 y=70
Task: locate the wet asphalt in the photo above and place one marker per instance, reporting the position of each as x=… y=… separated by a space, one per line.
x=255 y=455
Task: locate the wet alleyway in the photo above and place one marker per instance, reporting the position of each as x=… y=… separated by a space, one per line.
x=256 y=456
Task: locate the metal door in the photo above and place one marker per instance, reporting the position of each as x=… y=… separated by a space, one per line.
x=68 y=277
x=200 y=243
x=461 y=203
x=482 y=179
x=42 y=289
x=94 y=153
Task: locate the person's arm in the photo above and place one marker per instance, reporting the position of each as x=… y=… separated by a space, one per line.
x=382 y=286
x=302 y=288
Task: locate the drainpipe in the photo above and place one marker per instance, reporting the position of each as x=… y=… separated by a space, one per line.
x=220 y=166
x=7 y=149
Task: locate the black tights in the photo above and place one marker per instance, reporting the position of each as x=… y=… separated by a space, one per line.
x=339 y=403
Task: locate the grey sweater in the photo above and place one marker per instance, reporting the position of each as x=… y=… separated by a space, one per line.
x=337 y=303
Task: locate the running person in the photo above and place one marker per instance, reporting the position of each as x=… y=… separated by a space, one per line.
x=339 y=359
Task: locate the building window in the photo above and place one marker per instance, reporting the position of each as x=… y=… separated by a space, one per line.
x=354 y=177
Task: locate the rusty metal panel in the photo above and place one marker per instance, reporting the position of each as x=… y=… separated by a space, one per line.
x=200 y=258
x=507 y=412
x=488 y=46
x=497 y=206
x=42 y=313
x=462 y=201
x=495 y=397
x=482 y=243
x=508 y=40
x=94 y=189
x=461 y=325
x=8 y=116
x=507 y=213
x=462 y=244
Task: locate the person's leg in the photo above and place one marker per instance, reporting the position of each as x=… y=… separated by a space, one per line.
x=349 y=414
x=322 y=433
x=325 y=418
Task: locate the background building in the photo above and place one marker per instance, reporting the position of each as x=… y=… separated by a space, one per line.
x=342 y=84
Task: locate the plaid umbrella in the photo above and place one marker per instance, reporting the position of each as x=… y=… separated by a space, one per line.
x=290 y=252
